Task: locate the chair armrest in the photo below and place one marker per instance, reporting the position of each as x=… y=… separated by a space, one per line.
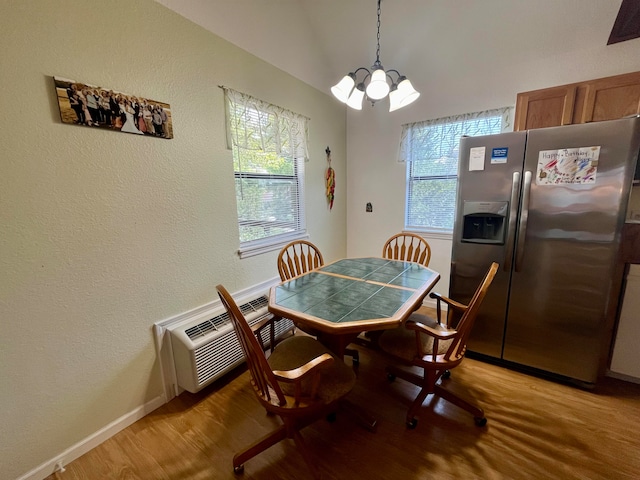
x=438 y=335
x=312 y=366
x=265 y=322
x=455 y=307
x=268 y=321
x=295 y=376
x=448 y=301
x=433 y=332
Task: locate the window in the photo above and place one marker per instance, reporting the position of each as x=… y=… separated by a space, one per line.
x=430 y=149
x=269 y=147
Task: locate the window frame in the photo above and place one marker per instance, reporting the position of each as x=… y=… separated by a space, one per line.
x=407 y=154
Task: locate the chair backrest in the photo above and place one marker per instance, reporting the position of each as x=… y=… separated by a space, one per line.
x=264 y=381
x=457 y=349
x=298 y=257
x=407 y=246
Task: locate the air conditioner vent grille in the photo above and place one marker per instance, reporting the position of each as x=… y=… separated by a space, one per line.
x=214 y=324
x=204 y=350
x=254 y=305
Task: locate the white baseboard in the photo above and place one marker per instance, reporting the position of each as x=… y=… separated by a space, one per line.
x=57 y=463
x=622 y=376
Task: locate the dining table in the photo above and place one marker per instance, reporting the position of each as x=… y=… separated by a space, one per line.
x=342 y=299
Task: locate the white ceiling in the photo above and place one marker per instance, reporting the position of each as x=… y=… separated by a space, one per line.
x=319 y=41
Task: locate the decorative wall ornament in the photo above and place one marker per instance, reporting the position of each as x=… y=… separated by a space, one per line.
x=331 y=180
x=100 y=107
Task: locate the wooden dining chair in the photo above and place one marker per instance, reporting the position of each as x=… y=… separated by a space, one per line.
x=299 y=257
x=407 y=246
x=300 y=382
x=435 y=346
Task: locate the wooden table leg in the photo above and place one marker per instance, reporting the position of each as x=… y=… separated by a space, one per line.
x=336 y=343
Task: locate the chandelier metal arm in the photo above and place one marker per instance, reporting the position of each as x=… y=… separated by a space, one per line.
x=355 y=73
x=396 y=72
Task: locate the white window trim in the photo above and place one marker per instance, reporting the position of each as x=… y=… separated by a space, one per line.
x=259 y=247
x=430 y=233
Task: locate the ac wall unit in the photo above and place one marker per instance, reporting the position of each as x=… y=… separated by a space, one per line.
x=205 y=350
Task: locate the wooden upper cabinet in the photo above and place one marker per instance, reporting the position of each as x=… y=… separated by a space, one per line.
x=545 y=108
x=591 y=101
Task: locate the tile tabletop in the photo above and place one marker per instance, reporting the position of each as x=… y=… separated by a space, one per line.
x=355 y=290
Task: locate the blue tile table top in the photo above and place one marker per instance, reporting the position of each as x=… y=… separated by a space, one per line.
x=356 y=293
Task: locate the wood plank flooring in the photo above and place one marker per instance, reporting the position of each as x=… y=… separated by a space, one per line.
x=536 y=429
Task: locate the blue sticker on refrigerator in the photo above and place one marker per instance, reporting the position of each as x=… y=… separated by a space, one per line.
x=499 y=155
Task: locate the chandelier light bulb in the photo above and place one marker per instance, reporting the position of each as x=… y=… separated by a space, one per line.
x=394 y=99
x=406 y=93
x=356 y=97
x=343 y=88
x=378 y=87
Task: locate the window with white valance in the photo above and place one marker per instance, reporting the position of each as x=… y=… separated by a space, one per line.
x=430 y=149
x=269 y=145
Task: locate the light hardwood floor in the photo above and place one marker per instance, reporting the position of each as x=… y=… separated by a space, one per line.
x=536 y=429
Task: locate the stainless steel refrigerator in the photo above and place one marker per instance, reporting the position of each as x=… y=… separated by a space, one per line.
x=548 y=205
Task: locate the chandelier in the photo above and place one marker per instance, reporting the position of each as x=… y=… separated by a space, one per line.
x=374 y=85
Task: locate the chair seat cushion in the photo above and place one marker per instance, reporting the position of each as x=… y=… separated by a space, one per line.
x=401 y=342
x=335 y=381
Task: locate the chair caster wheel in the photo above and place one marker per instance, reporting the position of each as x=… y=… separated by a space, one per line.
x=391 y=377
x=411 y=424
x=481 y=422
x=238 y=470
x=446 y=374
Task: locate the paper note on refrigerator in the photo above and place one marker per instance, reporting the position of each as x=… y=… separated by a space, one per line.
x=567 y=165
x=476 y=158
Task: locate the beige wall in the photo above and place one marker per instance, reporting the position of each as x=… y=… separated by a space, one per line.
x=103 y=233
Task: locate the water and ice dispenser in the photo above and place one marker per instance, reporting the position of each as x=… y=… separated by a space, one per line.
x=484 y=222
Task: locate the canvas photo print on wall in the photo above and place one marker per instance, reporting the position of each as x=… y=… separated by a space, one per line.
x=101 y=107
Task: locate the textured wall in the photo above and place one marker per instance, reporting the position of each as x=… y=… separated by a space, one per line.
x=103 y=233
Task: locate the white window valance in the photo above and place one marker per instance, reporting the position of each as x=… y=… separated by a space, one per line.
x=253 y=124
x=435 y=136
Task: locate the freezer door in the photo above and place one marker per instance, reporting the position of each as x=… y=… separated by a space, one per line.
x=489 y=174
x=567 y=245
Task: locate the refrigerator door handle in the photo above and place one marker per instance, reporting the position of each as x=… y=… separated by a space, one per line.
x=524 y=217
x=513 y=214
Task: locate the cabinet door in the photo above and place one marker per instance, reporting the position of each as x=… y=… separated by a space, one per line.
x=549 y=107
x=611 y=98
x=625 y=358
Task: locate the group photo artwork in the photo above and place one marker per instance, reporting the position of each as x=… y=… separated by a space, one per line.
x=100 y=107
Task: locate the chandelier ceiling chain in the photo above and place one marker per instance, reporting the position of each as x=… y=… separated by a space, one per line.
x=378 y=37
x=375 y=84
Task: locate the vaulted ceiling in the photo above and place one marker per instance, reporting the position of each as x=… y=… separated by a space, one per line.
x=319 y=41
